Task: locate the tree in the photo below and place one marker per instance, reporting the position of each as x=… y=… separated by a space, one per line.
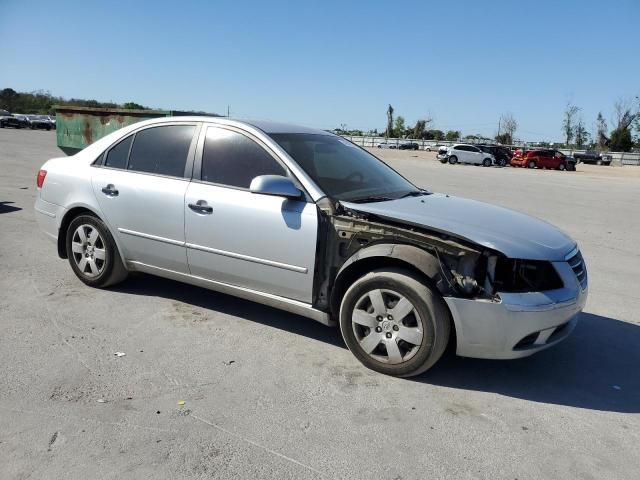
x=133 y=106
x=568 y=124
x=8 y=99
x=509 y=125
x=399 y=128
x=581 y=134
x=601 y=129
x=503 y=139
x=389 y=132
x=437 y=135
x=419 y=130
x=621 y=140
x=452 y=135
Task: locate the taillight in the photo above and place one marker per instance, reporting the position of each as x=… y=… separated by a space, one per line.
x=40 y=178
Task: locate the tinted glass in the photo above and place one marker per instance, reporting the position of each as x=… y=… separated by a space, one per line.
x=161 y=150
x=232 y=159
x=341 y=169
x=117 y=156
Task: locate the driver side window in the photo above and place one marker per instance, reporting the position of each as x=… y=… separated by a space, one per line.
x=232 y=159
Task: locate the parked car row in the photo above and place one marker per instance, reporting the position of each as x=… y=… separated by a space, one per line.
x=498 y=155
x=18 y=120
x=591 y=156
x=408 y=145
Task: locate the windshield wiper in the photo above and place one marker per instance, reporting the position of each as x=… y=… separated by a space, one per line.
x=415 y=193
x=373 y=198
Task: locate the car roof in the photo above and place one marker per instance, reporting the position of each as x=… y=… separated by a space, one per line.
x=266 y=126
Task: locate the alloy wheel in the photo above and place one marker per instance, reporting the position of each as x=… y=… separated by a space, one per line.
x=89 y=252
x=387 y=326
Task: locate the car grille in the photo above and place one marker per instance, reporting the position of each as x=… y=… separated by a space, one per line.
x=579 y=268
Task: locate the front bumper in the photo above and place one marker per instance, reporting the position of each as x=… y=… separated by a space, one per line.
x=520 y=324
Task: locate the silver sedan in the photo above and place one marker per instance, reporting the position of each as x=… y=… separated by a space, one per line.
x=305 y=221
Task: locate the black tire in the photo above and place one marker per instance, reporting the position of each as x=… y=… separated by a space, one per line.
x=112 y=270
x=486 y=162
x=598 y=162
x=562 y=167
x=432 y=317
x=531 y=164
x=502 y=163
x=453 y=160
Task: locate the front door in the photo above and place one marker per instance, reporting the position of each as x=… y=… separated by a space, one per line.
x=262 y=242
x=140 y=188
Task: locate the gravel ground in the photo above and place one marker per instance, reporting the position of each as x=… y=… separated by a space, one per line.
x=272 y=395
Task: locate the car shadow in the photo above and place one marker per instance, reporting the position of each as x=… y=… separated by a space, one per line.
x=595 y=368
x=149 y=285
x=5 y=207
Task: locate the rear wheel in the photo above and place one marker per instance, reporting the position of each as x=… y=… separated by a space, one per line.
x=393 y=323
x=486 y=162
x=92 y=252
x=531 y=164
x=453 y=159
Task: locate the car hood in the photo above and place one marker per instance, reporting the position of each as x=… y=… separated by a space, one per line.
x=514 y=234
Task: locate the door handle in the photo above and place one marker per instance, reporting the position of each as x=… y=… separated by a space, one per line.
x=110 y=190
x=201 y=207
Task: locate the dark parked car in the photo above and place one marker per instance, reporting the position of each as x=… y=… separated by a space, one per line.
x=501 y=154
x=409 y=146
x=39 y=121
x=591 y=156
x=11 y=121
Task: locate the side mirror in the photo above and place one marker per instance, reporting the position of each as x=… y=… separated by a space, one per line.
x=276 y=185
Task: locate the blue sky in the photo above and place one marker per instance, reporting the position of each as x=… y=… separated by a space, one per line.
x=326 y=63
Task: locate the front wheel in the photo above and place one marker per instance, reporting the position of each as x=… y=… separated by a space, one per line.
x=486 y=162
x=393 y=323
x=562 y=167
x=532 y=164
x=93 y=253
x=453 y=159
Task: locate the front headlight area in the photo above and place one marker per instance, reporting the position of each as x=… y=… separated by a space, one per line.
x=485 y=275
x=520 y=276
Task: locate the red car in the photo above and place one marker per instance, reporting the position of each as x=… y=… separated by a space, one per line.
x=541 y=159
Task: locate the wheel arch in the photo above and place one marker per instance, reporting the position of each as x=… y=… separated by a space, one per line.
x=409 y=257
x=68 y=217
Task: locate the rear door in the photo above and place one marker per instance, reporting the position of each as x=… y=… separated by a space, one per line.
x=140 y=186
x=474 y=155
x=262 y=242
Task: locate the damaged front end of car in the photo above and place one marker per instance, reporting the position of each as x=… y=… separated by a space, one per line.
x=500 y=307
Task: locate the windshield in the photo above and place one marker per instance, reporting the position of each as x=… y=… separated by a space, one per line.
x=341 y=169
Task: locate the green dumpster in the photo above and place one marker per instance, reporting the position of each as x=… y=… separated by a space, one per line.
x=77 y=127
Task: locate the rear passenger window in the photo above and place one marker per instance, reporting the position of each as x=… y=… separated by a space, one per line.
x=161 y=150
x=232 y=159
x=117 y=156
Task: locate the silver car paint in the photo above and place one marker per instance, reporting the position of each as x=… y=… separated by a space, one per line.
x=263 y=242
x=147 y=215
x=514 y=234
x=484 y=329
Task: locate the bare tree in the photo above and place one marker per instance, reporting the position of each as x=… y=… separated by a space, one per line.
x=389 y=131
x=568 y=124
x=508 y=125
x=624 y=115
x=420 y=128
